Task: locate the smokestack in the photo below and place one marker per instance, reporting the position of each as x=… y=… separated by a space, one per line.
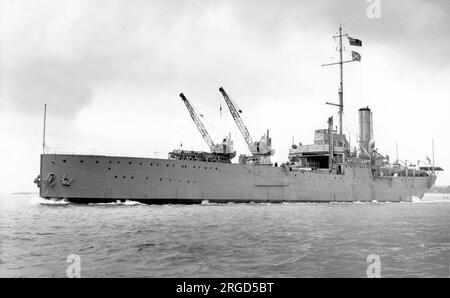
x=365 y=130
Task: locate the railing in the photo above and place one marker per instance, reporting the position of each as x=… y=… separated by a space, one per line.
x=98 y=151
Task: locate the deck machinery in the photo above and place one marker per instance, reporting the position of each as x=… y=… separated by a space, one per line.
x=222 y=152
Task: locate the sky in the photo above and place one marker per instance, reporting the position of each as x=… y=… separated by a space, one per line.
x=110 y=73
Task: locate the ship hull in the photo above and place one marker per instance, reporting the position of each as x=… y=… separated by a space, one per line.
x=91 y=178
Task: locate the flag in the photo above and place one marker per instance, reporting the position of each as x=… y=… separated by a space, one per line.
x=356 y=56
x=220 y=109
x=354 y=41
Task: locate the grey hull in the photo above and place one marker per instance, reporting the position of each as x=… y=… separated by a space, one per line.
x=90 y=178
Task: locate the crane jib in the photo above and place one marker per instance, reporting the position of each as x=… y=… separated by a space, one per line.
x=237 y=118
x=198 y=123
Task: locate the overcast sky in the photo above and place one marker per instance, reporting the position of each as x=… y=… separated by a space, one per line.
x=111 y=71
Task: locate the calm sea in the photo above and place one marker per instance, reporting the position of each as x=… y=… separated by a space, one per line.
x=224 y=240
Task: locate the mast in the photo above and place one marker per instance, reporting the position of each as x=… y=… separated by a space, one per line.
x=396 y=151
x=355 y=57
x=43 y=134
x=330 y=140
x=432 y=149
x=341 y=89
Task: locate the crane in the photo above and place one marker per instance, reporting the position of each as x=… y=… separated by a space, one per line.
x=198 y=123
x=260 y=150
x=222 y=152
x=237 y=118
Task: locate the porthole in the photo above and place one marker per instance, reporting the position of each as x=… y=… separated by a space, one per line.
x=81 y=161
x=118 y=162
x=157 y=164
x=160 y=179
x=140 y=163
x=96 y=161
x=109 y=169
x=167 y=165
x=64 y=160
x=146 y=178
x=115 y=177
x=124 y=177
x=151 y=164
x=129 y=163
x=132 y=177
x=109 y=162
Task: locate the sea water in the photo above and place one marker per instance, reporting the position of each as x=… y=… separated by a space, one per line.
x=130 y=239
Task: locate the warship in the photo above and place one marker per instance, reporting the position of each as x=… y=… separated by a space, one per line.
x=325 y=171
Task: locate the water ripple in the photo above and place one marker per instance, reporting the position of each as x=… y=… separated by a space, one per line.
x=127 y=239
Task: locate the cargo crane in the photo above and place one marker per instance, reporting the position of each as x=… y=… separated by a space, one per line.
x=219 y=152
x=260 y=151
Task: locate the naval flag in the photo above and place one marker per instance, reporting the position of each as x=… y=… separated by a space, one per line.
x=354 y=41
x=356 y=56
